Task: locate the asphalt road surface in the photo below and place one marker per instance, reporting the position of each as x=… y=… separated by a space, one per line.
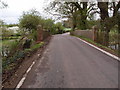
x=70 y=63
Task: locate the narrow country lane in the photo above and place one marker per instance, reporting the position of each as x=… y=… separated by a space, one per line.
x=70 y=63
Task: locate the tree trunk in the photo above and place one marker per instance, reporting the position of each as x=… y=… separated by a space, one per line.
x=103 y=6
x=119 y=35
x=83 y=16
x=73 y=27
x=74 y=19
x=83 y=22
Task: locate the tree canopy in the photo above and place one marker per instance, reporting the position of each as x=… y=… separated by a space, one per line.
x=30 y=20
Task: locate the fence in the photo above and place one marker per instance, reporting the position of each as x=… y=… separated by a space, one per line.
x=85 y=33
x=98 y=36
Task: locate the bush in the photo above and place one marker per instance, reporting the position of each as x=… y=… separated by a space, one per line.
x=33 y=35
x=34 y=47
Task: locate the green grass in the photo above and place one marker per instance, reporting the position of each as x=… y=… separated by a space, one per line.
x=34 y=47
x=6 y=42
x=37 y=46
x=67 y=29
x=9 y=41
x=11 y=37
x=9 y=63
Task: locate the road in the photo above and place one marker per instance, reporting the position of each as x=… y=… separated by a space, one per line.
x=70 y=63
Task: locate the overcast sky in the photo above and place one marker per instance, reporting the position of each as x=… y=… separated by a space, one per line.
x=15 y=9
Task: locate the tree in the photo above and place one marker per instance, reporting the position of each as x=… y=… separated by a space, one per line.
x=48 y=24
x=108 y=22
x=30 y=20
x=62 y=10
x=76 y=11
x=82 y=12
x=59 y=27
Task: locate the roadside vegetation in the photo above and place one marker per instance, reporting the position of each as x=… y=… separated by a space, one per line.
x=108 y=49
x=21 y=42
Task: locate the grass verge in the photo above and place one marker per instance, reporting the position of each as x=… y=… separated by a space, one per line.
x=98 y=45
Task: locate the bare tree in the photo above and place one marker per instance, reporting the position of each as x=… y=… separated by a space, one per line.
x=2 y=4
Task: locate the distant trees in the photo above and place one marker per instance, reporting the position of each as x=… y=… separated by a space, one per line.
x=59 y=28
x=11 y=25
x=53 y=28
x=31 y=19
x=49 y=25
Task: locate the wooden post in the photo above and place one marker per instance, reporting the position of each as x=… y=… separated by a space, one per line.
x=39 y=33
x=95 y=31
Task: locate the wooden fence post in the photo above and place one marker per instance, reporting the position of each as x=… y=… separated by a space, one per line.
x=95 y=31
x=39 y=33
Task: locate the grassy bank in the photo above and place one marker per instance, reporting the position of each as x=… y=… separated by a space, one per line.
x=10 y=62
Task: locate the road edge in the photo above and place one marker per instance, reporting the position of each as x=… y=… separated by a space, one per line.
x=20 y=83
x=103 y=51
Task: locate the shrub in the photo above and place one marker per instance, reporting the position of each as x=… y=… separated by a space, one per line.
x=8 y=47
x=6 y=62
x=30 y=20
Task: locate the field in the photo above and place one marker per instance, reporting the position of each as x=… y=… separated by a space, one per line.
x=7 y=45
